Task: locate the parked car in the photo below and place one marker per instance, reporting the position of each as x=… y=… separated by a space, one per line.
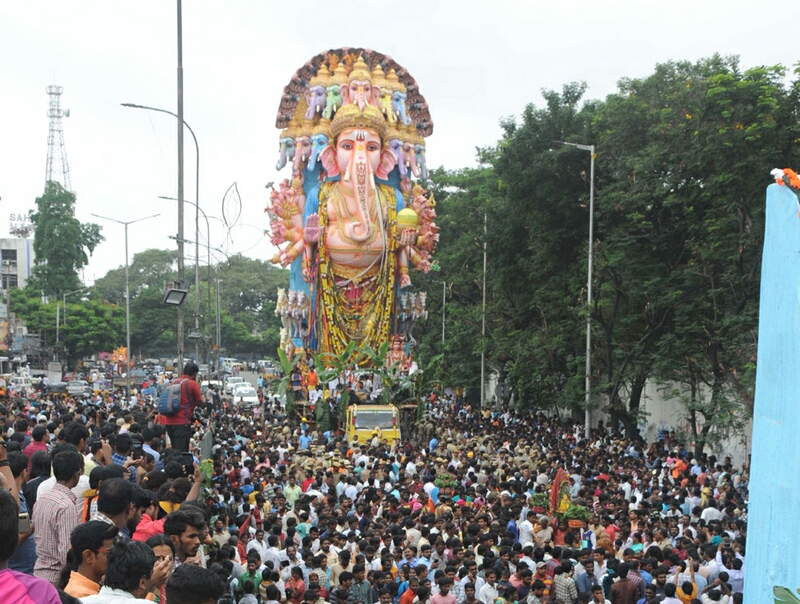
x=246 y=396
x=78 y=388
x=237 y=387
x=231 y=382
x=21 y=384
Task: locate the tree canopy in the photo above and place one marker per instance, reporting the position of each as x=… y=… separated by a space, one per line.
x=61 y=243
x=683 y=157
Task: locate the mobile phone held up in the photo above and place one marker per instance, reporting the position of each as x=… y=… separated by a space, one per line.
x=188 y=463
x=24 y=523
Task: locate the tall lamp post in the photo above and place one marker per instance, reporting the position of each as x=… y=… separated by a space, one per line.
x=483 y=315
x=196 y=204
x=588 y=387
x=197 y=268
x=127 y=298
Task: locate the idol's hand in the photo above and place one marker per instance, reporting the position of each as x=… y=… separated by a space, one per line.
x=408 y=237
x=311 y=231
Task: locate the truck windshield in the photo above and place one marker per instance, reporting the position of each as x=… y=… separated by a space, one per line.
x=374 y=419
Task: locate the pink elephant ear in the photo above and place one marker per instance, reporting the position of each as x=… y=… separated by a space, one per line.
x=386 y=165
x=328 y=160
x=375 y=96
x=344 y=90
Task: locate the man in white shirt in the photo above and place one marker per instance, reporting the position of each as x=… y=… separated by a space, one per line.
x=259 y=544
x=526 y=529
x=488 y=593
x=711 y=512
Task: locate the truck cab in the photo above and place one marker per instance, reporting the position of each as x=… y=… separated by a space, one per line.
x=364 y=421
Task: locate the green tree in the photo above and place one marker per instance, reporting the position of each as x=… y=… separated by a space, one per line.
x=61 y=243
x=248 y=292
x=82 y=329
x=683 y=158
x=688 y=151
x=462 y=198
x=153 y=324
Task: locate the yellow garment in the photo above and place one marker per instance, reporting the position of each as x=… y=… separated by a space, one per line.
x=168 y=506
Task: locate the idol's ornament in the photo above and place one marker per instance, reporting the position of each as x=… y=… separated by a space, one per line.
x=353 y=219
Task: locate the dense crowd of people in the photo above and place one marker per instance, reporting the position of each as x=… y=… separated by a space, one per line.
x=114 y=503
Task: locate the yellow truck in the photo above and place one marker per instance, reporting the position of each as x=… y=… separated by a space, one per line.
x=364 y=421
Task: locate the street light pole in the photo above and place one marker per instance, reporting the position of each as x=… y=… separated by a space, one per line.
x=127 y=300
x=588 y=377
x=197 y=261
x=180 y=179
x=180 y=238
x=219 y=323
x=483 y=316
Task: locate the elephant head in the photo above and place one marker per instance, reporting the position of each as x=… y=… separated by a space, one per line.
x=419 y=153
x=399 y=107
x=317 y=92
x=318 y=143
x=383 y=101
x=333 y=101
x=358 y=92
x=359 y=85
x=302 y=151
x=286 y=151
x=316 y=97
x=395 y=146
x=358 y=155
x=408 y=150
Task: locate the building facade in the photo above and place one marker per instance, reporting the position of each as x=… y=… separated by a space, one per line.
x=16 y=255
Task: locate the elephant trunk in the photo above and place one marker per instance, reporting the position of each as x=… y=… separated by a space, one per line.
x=281 y=156
x=312 y=161
x=401 y=164
x=419 y=152
x=359 y=176
x=411 y=158
x=404 y=115
x=301 y=147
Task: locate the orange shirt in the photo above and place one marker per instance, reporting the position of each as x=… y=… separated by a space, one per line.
x=80 y=586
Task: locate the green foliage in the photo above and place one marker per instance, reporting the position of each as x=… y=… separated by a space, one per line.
x=61 y=244
x=248 y=291
x=683 y=157
x=539 y=500
x=207 y=472
x=445 y=480
x=85 y=326
x=783 y=595
x=575 y=512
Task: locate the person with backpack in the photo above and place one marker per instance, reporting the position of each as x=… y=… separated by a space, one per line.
x=176 y=406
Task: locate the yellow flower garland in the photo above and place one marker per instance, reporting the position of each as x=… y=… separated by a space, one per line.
x=368 y=319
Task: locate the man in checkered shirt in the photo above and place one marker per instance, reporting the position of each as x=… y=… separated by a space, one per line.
x=56 y=514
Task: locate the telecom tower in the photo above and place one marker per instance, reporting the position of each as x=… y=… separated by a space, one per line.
x=57 y=164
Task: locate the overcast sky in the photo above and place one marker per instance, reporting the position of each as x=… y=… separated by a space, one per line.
x=475 y=62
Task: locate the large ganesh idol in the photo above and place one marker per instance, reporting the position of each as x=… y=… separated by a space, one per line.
x=351 y=223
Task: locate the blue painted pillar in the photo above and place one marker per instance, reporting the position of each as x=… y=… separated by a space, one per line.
x=774 y=508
